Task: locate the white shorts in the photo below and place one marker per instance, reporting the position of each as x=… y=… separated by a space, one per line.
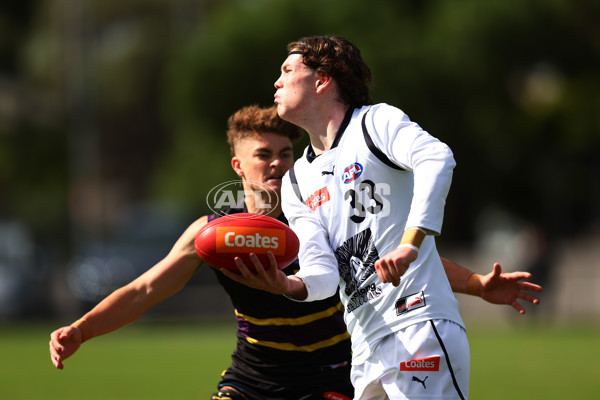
x=428 y=360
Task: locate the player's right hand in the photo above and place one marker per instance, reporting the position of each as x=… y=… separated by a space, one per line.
x=271 y=280
x=63 y=343
x=393 y=265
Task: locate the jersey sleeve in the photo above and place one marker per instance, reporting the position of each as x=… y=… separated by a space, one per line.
x=431 y=161
x=318 y=265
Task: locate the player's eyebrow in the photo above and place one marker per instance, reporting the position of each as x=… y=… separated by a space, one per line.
x=287 y=65
x=263 y=150
x=269 y=151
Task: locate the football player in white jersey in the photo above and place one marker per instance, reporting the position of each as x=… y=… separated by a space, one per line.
x=261 y=150
x=366 y=200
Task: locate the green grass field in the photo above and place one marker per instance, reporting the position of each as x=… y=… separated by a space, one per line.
x=183 y=361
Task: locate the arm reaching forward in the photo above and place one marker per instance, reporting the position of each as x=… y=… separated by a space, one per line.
x=495 y=287
x=131 y=301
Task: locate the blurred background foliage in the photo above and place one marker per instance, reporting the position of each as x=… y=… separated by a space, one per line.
x=108 y=108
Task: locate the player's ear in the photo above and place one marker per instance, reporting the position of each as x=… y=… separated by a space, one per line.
x=236 y=164
x=323 y=81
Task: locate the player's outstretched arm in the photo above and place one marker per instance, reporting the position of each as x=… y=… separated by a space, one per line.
x=131 y=301
x=495 y=287
x=505 y=288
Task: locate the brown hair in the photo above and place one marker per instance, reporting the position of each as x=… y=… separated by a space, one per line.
x=341 y=59
x=253 y=121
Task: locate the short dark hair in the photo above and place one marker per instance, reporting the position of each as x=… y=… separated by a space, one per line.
x=341 y=59
x=253 y=121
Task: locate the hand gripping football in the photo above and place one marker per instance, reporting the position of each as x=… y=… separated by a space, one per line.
x=237 y=235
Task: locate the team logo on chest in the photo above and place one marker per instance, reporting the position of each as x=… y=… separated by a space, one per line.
x=351 y=172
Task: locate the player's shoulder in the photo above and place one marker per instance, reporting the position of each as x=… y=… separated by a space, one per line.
x=200 y=222
x=383 y=113
x=194 y=227
x=301 y=165
x=384 y=122
x=379 y=118
x=290 y=190
x=302 y=160
x=185 y=243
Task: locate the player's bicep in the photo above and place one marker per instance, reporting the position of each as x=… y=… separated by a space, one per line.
x=185 y=243
x=166 y=278
x=175 y=270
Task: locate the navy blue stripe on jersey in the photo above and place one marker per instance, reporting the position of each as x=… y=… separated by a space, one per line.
x=294 y=181
x=378 y=153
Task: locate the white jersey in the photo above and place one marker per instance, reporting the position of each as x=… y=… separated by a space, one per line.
x=351 y=205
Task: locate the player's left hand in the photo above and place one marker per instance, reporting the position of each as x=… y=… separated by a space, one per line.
x=63 y=343
x=506 y=288
x=393 y=265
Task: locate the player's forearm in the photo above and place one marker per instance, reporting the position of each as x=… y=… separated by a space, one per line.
x=461 y=279
x=296 y=289
x=120 y=308
x=433 y=169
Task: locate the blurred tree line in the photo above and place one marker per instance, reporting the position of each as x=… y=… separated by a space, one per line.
x=107 y=104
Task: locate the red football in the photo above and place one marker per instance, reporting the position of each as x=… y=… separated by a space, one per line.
x=237 y=235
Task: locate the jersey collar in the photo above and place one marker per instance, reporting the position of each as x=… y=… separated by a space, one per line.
x=310 y=154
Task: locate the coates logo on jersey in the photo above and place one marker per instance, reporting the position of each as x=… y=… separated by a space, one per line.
x=421 y=364
x=250 y=240
x=318 y=198
x=352 y=172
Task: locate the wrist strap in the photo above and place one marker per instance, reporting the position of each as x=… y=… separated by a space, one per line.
x=411 y=246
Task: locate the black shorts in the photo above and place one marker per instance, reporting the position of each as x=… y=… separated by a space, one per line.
x=332 y=382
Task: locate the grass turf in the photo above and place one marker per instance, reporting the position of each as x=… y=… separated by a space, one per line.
x=183 y=361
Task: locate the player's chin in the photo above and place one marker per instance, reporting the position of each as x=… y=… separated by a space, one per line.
x=281 y=109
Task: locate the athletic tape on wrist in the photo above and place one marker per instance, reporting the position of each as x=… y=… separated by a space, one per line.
x=413 y=237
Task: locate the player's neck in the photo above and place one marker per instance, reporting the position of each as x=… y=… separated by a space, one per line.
x=266 y=208
x=325 y=128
